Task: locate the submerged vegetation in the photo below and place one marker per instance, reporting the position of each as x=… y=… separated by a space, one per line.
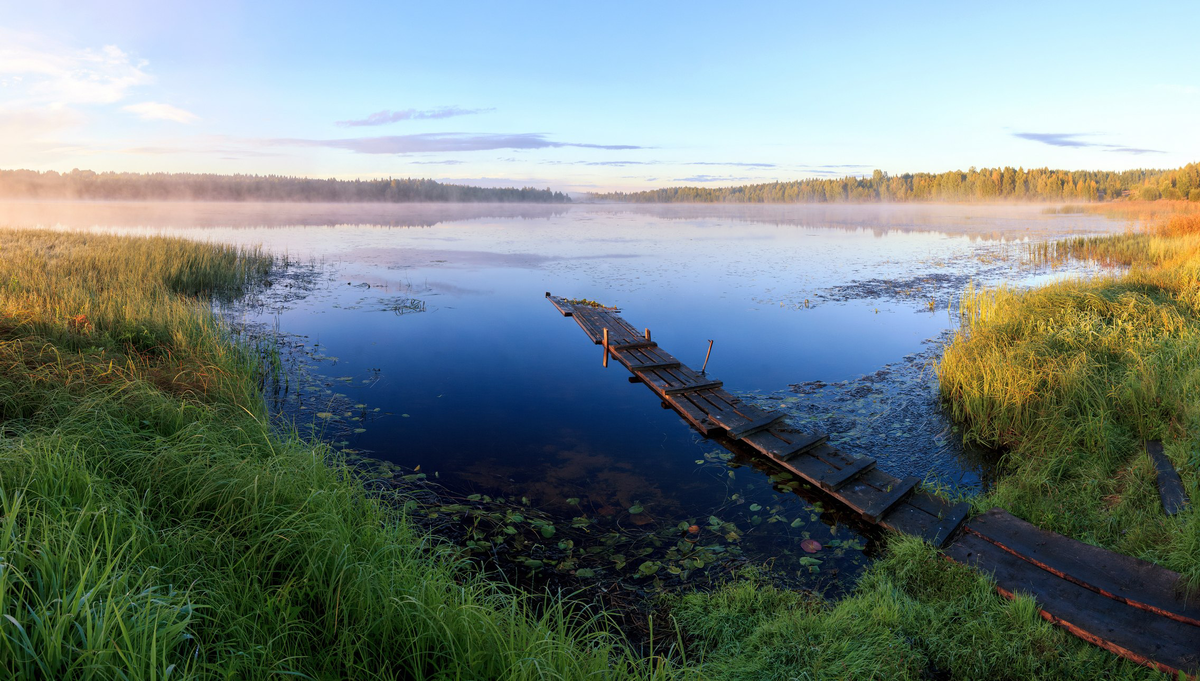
x=985 y=184
x=86 y=184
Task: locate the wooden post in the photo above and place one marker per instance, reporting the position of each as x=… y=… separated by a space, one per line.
x=606 y=348
x=647 y=334
x=706 y=356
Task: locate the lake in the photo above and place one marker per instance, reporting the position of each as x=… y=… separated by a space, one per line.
x=419 y=335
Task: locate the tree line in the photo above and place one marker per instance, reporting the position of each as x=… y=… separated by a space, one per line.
x=985 y=184
x=86 y=184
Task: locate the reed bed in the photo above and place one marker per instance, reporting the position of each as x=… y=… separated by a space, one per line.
x=1071 y=378
x=155 y=527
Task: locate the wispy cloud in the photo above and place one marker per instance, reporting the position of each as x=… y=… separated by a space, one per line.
x=732 y=164
x=157 y=111
x=40 y=73
x=438 y=163
x=710 y=178
x=1077 y=140
x=384 y=117
x=46 y=84
x=436 y=142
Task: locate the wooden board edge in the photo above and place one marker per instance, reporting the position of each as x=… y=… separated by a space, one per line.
x=1131 y=602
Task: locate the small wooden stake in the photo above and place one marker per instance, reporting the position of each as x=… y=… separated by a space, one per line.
x=706 y=356
x=605 y=348
x=647 y=334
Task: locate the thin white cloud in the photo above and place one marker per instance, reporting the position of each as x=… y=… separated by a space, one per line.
x=1076 y=140
x=157 y=111
x=384 y=117
x=445 y=142
x=37 y=72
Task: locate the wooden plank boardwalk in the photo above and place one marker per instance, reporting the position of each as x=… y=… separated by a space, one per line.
x=880 y=498
x=1130 y=607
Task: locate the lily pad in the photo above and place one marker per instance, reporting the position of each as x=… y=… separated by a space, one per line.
x=648 y=568
x=810 y=546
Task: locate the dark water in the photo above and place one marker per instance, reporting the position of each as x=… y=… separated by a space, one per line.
x=431 y=345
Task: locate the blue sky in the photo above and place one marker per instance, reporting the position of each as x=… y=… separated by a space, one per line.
x=593 y=96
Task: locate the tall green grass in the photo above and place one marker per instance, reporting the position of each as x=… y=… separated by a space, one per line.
x=155 y=527
x=1071 y=378
x=914 y=615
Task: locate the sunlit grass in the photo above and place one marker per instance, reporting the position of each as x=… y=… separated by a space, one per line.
x=1072 y=377
x=914 y=615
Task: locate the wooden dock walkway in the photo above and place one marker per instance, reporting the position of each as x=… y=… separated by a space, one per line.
x=880 y=498
x=1130 y=607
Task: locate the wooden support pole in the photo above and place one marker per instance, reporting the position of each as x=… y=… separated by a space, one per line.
x=606 y=347
x=706 y=356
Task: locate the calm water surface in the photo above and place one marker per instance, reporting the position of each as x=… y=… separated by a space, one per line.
x=426 y=339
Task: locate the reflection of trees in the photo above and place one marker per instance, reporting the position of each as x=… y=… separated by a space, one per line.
x=158 y=214
x=85 y=184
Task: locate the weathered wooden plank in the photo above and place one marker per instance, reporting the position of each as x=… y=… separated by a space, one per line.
x=726 y=410
x=834 y=481
x=633 y=346
x=690 y=412
x=808 y=467
x=1139 y=635
x=588 y=324
x=881 y=503
x=1170 y=488
x=646 y=366
x=644 y=356
x=937 y=525
x=925 y=516
x=801 y=445
x=743 y=426
x=1139 y=583
x=693 y=387
x=561 y=305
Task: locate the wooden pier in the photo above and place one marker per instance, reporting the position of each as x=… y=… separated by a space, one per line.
x=1130 y=607
x=880 y=498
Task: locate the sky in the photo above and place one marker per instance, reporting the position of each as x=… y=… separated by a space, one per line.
x=596 y=96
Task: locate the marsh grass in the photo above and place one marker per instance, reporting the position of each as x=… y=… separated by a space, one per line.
x=155 y=527
x=1072 y=377
x=914 y=615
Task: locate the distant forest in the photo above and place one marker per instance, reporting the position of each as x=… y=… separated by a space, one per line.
x=986 y=184
x=85 y=184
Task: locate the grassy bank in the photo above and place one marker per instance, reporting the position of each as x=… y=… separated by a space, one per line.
x=1070 y=379
x=155 y=527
